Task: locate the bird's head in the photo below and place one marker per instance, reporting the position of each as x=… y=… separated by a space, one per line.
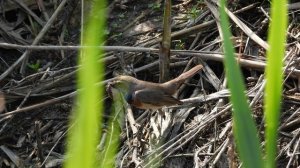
x=122 y=85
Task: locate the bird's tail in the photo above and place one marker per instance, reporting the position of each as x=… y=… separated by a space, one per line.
x=188 y=74
x=173 y=84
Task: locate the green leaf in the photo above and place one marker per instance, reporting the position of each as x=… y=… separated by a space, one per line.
x=245 y=132
x=84 y=135
x=274 y=75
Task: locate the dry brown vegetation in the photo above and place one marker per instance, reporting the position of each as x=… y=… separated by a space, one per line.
x=39 y=83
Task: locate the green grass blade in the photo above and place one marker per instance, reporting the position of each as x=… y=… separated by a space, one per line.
x=245 y=132
x=107 y=156
x=274 y=75
x=84 y=136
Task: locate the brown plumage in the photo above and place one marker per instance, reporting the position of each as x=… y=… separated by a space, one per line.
x=149 y=95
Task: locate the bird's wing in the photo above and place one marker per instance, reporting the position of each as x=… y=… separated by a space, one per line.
x=155 y=97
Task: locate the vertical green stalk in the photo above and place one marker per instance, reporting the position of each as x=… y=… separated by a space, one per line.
x=84 y=136
x=274 y=75
x=107 y=156
x=245 y=133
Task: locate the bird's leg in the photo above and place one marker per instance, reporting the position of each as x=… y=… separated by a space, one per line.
x=161 y=118
x=161 y=113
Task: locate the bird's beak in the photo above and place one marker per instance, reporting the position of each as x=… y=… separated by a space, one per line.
x=116 y=89
x=109 y=91
x=112 y=88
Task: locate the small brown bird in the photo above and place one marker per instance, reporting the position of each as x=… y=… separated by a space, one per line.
x=148 y=95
